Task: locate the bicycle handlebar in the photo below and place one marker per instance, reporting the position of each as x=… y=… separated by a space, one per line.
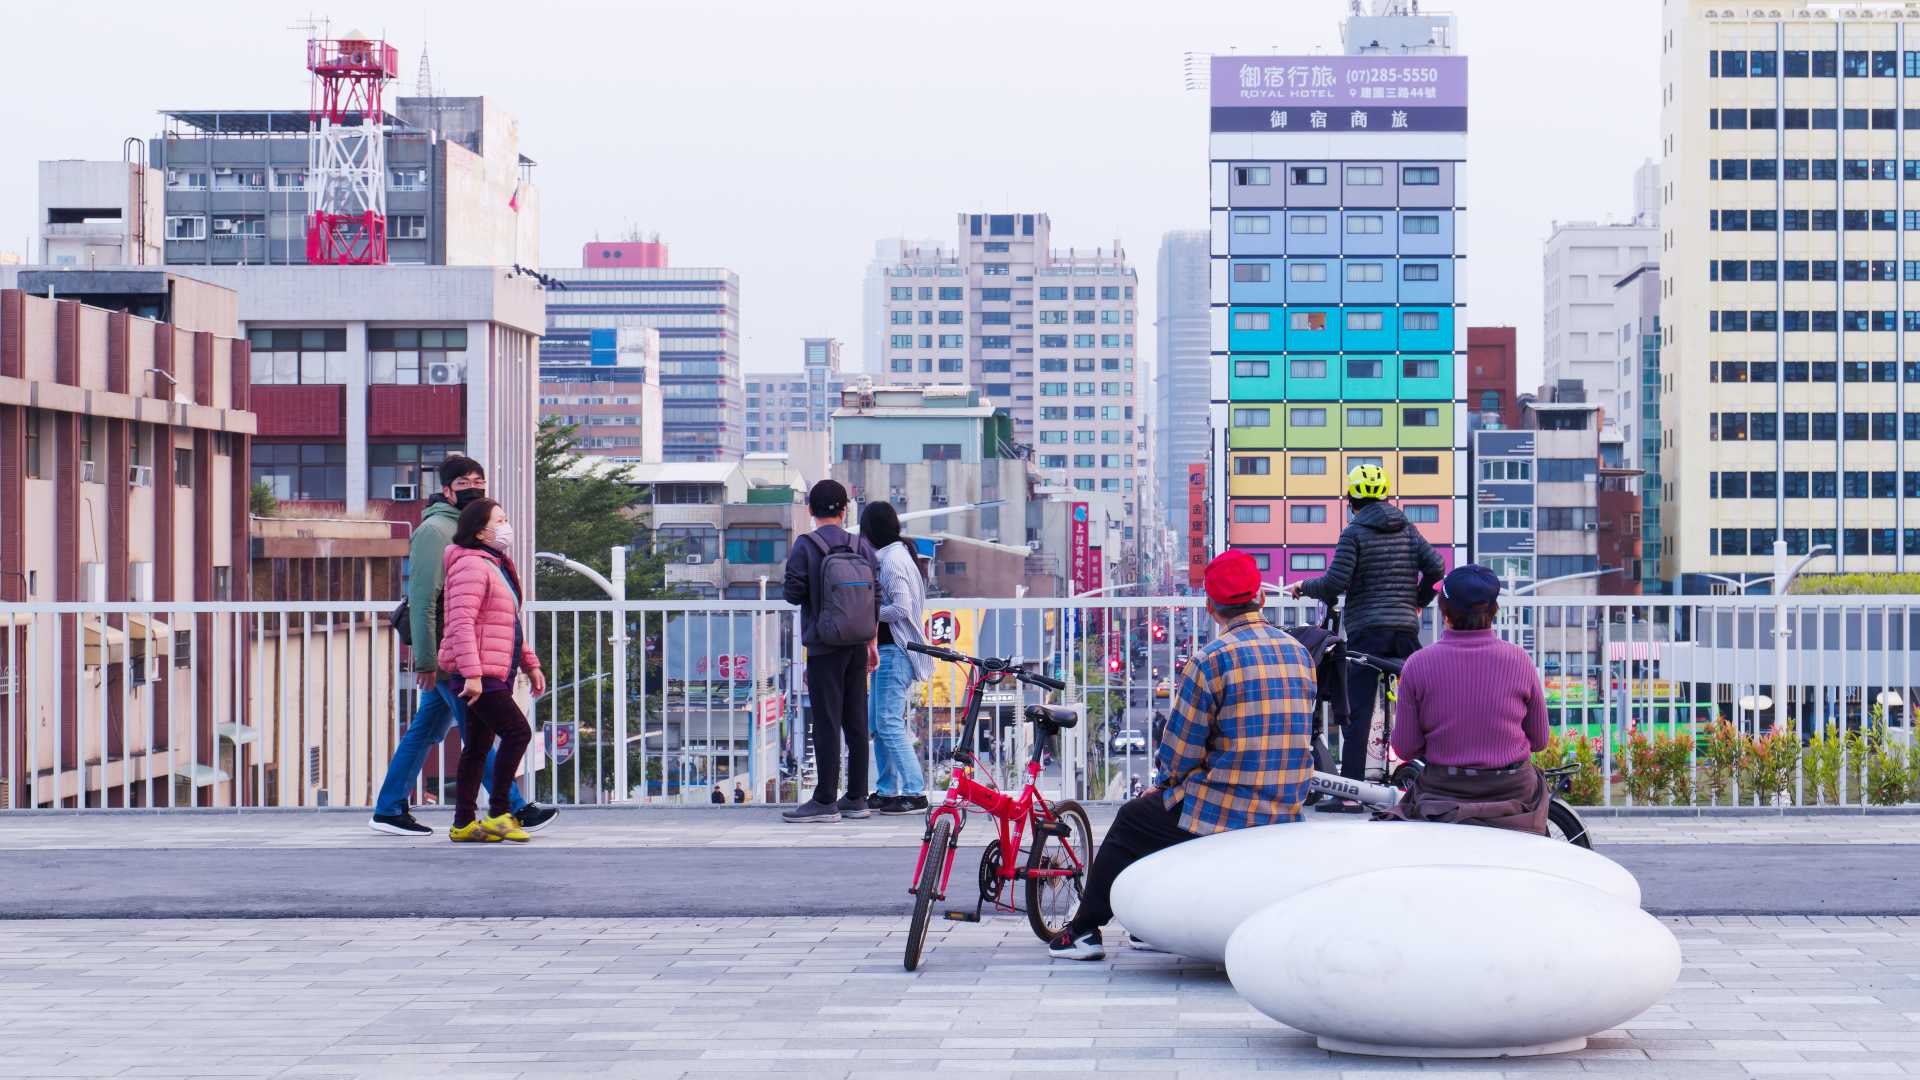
x=1008 y=665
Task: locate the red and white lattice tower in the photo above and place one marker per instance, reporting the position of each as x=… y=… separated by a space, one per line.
x=346 y=150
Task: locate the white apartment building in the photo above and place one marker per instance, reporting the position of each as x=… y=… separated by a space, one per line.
x=1048 y=331
x=1579 y=265
x=1787 y=410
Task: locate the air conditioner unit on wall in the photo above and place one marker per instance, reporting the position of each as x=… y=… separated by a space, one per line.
x=445 y=374
x=405 y=492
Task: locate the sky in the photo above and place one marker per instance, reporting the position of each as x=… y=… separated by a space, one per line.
x=781 y=141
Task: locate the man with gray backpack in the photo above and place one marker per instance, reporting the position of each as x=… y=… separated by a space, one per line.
x=833 y=577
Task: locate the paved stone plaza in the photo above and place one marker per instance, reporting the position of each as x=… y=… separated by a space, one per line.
x=811 y=983
x=543 y=998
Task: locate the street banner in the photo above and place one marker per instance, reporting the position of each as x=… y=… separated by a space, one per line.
x=956 y=629
x=1196 y=524
x=1078 y=548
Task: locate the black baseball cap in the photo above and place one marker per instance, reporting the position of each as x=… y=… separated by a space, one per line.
x=1469 y=586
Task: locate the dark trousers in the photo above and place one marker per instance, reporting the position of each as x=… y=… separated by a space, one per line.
x=494 y=714
x=837 y=685
x=1143 y=826
x=1363 y=690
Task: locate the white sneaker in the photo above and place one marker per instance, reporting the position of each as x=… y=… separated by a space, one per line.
x=1065 y=946
x=1134 y=942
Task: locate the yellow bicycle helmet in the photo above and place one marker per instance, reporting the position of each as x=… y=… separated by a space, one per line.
x=1367 y=482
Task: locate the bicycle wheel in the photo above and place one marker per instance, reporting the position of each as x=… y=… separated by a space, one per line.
x=1563 y=823
x=923 y=894
x=1051 y=900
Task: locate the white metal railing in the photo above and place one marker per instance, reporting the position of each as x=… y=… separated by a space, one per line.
x=1672 y=700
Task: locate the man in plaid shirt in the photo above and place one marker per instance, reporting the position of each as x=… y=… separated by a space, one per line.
x=1237 y=751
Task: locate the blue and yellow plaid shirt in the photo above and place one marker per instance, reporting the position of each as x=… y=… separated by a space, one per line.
x=1237 y=751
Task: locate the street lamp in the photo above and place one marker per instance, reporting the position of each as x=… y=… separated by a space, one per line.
x=1783 y=578
x=616 y=590
x=1532 y=585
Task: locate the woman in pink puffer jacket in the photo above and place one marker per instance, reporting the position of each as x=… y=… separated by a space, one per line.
x=483 y=648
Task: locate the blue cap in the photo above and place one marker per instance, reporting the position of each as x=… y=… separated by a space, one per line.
x=1470 y=586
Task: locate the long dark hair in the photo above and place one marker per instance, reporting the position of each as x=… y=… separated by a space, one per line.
x=880 y=524
x=473 y=522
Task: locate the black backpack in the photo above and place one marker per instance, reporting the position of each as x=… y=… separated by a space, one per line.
x=846 y=609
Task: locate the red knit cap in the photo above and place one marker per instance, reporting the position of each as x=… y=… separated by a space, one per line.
x=1232 y=579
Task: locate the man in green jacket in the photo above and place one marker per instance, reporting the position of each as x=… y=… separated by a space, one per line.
x=462 y=480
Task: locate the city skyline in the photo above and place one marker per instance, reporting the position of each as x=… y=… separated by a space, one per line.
x=1118 y=78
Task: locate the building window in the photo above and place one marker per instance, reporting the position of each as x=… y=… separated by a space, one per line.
x=1307 y=272
x=1306 y=367
x=1252 y=320
x=289 y=178
x=1365 y=417
x=1509 y=517
x=1419 y=417
x=182 y=467
x=243 y=226
x=1421 y=465
x=1306 y=562
x=1366 y=272
x=186 y=227
x=1307 y=224
x=415 y=356
x=407 y=227
x=994 y=269
x=1251 y=369
x=1252 y=272
x=1420 y=320
x=405 y=472
x=35 y=469
x=1253 y=176
x=186 y=179
x=1245 y=418
x=1254 y=514
x=1307 y=513
x=1364 y=224
x=1366 y=175
x=1307 y=417
x=940 y=451
x=1428 y=369
x=1364 y=367
x=757 y=544
x=239 y=180
x=1252 y=465
x=290 y=356
x=1422 y=513
x=859 y=451
x=302 y=471
x=1421 y=225
x=1420 y=175
x=1312 y=175
x=1307 y=465
x=1253 y=224
x=1420 y=272
x=1364 y=320
x=407 y=179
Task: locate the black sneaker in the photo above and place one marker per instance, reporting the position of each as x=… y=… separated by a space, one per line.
x=400 y=824
x=904 y=804
x=1065 y=945
x=1339 y=806
x=533 y=817
x=812 y=811
x=851 y=807
x=884 y=804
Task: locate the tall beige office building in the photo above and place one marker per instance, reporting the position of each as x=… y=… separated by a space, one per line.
x=1789 y=187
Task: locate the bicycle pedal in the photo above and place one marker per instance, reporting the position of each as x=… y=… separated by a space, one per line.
x=1052 y=828
x=963 y=916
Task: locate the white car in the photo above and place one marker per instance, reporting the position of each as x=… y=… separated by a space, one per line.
x=1130 y=742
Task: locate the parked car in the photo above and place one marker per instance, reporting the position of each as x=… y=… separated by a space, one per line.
x=1130 y=741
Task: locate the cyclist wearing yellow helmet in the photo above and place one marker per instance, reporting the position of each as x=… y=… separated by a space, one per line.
x=1386 y=571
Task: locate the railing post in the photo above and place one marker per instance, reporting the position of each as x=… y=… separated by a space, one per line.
x=1780 y=634
x=621 y=787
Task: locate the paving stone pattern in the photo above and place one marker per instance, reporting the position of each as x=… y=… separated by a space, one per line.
x=538 y=998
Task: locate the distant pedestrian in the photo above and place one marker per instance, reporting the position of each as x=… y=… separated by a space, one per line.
x=833 y=578
x=718 y=797
x=901 y=788
x=462 y=483
x=739 y=793
x=485 y=647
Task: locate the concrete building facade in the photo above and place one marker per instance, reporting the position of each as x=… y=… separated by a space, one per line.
x=780 y=404
x=873 y=301
x=927 y=447
x=1579 y=264
x=1789 y=295
x=1047 y=333
x=1181 y=382
x=99 y=214
x=1636 y=311
x=124 y=456
x=1493 y=398
x=458 y=190
x=697 y=314
x=613 y=398
x=1339 y=214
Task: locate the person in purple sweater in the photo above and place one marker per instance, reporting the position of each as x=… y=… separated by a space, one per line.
x=1471 y=708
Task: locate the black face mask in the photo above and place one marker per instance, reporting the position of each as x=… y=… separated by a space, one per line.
x=464 y=499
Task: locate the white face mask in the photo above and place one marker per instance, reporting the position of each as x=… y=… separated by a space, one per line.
x=502 y=536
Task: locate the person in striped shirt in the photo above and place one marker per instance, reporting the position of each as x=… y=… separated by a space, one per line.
x=1237 y=751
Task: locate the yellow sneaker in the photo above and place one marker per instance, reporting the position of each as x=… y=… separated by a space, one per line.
x=504 y=827
x=471 y=833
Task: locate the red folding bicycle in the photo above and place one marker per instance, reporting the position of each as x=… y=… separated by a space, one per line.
x=1062 y=846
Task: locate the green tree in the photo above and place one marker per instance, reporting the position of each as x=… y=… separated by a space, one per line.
x=1857 y=584
x=585 y=509
x=261 y=502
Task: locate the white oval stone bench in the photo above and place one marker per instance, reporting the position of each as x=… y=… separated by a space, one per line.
x=1190 y=899
x=1452 y=961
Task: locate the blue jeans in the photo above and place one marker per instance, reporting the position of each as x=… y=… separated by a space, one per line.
x=440 y=709
x=898 y=770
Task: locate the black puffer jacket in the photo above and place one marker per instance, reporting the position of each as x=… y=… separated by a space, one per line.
x=1384 y=567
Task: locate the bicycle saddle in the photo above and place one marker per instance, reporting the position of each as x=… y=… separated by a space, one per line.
x=1052 y=717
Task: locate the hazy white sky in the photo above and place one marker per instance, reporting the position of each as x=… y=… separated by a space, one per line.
x=782 y=140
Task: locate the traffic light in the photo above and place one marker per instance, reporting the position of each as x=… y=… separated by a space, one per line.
x=1113 y=664
x=1159 y=632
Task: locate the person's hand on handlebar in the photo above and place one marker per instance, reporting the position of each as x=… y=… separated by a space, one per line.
x=1293 y=590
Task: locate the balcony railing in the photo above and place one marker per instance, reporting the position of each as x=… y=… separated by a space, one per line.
x=1670 y=700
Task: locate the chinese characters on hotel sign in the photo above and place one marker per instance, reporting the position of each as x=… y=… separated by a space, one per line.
x=1339 y=93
